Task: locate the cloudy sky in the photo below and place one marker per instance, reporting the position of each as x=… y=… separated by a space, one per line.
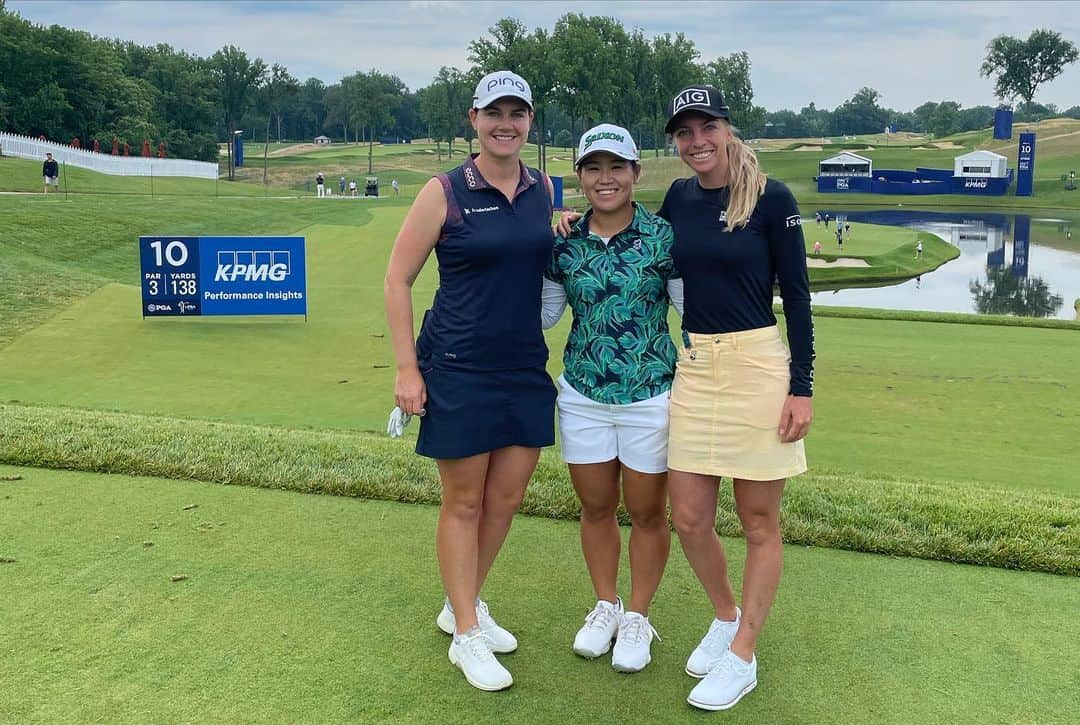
x=910 y=52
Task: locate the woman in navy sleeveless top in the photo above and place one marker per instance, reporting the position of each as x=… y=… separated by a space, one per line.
x=476 y=373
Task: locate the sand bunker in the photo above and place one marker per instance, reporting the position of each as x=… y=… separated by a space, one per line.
x=809 y=148
x=948 y=145
x=840 y=262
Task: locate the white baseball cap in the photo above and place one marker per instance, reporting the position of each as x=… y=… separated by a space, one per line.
x=607 y=137
x=501 y=84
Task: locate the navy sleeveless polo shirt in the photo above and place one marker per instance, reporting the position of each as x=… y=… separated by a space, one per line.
x=492 y=254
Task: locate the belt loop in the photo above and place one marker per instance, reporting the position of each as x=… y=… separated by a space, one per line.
x=685 y=339
x=736 y=338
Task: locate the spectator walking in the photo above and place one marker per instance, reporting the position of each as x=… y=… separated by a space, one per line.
x=394 y=184
x=320 y=185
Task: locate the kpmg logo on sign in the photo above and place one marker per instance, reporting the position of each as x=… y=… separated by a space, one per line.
x=252 y=266
x=690 y=97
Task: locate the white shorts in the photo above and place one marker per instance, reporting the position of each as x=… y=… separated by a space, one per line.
x=635 y=433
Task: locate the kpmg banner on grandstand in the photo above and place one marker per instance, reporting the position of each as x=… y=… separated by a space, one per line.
x=223 y=276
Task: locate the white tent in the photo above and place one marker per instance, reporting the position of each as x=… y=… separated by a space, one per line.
x=981 y=165
x=846 y=164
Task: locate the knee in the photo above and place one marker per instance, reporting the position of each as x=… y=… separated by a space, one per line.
x=761 y=530
x=649 y=518
x=693 y=524
x=596 y=512
x=464 y=508
x=504 y=500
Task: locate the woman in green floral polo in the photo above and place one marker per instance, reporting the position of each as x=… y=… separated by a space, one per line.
x=614 y=269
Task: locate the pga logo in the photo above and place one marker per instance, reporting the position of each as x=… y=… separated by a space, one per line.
x=690 y=97
x=841 y=183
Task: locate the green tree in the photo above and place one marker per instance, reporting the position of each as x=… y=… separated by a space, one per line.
x=945 y=118
x=443 y=107
x=1019 y=67
x=370 y=99
x=860 y=114
x=732 y=76
x=280 y=85
x=238 y=79
x=674 y=66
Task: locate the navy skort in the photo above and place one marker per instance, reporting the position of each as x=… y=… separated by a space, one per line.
x=471 y=411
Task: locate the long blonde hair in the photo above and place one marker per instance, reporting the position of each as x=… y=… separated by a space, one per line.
x=746 y=182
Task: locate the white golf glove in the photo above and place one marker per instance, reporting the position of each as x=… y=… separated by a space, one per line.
x=398 y=420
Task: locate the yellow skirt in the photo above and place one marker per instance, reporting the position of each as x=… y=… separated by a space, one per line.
x=726 y=401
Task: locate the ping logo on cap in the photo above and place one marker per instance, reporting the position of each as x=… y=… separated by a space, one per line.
x=690 y=97
x=601 y=135
x=503 y=81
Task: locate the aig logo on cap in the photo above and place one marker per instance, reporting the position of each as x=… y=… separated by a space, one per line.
x=690 y=97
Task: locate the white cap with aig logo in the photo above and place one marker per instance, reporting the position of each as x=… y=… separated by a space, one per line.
x=501 y=84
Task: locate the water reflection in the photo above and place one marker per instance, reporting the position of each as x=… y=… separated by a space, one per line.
x=1006 y=293
x=1036 y=252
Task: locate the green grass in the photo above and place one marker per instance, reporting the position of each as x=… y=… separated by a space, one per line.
x=890 y=252
x=320 y=609
x=891 y=394
x=901 y=516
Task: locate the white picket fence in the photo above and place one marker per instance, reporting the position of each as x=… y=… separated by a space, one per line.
x=25 y=147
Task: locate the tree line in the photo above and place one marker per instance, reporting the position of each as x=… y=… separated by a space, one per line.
x=66 y=84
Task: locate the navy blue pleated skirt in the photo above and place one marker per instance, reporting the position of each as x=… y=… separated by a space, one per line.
x=470 y=412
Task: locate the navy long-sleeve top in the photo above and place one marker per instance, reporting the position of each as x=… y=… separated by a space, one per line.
x=728 y=276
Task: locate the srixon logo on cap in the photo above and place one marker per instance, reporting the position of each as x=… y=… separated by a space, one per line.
x=690 y=97
x=505 y=81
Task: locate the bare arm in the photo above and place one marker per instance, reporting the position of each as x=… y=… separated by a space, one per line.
x=418 y=236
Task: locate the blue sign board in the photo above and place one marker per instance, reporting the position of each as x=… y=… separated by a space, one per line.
x=223 y=276
x=238 y=150
x=1025 y=165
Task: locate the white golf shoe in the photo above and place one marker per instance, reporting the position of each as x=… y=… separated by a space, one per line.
x=715 y=642
x=601 y=624
x=501 y=641
x=728 y=680
x=633 y=644
x=471 y=652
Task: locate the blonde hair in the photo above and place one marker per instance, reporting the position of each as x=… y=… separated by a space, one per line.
x=746 y=182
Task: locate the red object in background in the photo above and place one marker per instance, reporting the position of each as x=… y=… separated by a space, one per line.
x=146 y=149
x=161 y=150
x=115 y=146
x=97 y=147
x=75 y=143
x=127 y=149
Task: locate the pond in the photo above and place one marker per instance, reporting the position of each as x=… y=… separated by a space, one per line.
x=1010 y=263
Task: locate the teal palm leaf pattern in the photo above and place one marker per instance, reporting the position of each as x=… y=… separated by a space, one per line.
x=619 y=350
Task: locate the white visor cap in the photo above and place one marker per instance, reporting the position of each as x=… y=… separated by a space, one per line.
x=501 y=84
x=607 y=137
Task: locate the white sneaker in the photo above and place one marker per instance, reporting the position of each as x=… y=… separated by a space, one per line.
x=472 y=653
x=501 y=641
x=632 y=647
x=713 y=644
x=601 y=624
x=729 y=678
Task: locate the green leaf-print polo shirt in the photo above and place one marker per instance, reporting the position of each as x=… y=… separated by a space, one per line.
x=619 y=350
